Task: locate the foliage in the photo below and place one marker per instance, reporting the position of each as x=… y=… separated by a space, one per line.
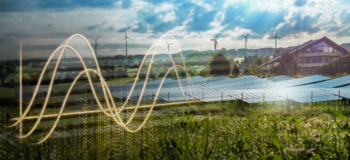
x=259 y=134
x=7 y=68
x=204 y=71
x=107 y=64
x=197 y=58
x=286 y=65
x=235 y=70
x=340 y=65
x=130 y=60
x=219 y=65
x=246 y=71
x=249 y=61
x=257 y=68
x=259 y=61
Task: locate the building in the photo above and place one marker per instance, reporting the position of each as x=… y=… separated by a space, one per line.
x=311 y=55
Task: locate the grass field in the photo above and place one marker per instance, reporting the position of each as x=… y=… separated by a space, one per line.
x=239 y=59
x=217 y=130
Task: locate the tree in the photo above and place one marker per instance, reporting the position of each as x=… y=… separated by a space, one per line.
x=286 y=65
x=259 y=61
x=255 y=70
x=235 y=70
x=107 y=64
x=245 y=62
x=219 y=65
x=246 y=71
x=338 y=66
x=130 y=60
x=7 y=68
x=232 y=60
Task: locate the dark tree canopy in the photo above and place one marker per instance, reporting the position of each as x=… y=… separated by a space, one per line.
x=235 y=70
x=7 y=68
x=219 y=65
x=259 y=61
x=246 y=71
x=286 y=65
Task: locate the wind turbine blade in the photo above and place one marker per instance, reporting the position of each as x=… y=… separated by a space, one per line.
x=243 y=36
x=278 y=38
x=128 y=38
x=166 y=42
x=217 y=37
x=123 y=39
x=248 y=34
x=212 y=39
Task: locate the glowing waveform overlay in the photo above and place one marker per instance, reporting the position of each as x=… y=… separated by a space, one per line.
x=113 y=111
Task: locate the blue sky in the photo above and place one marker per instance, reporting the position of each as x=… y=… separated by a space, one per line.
x=193 y=22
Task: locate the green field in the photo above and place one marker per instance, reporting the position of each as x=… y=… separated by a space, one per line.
x=220 y=130
x=239 y=59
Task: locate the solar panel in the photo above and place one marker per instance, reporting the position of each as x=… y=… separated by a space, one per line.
x=254 y=89
x=336 y=82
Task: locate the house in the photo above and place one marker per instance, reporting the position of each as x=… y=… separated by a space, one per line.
x=311 y=55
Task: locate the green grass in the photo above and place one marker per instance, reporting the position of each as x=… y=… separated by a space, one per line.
x=26 y=71
x=220 y=130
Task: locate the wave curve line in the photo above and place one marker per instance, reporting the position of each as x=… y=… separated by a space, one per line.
x=106 y=92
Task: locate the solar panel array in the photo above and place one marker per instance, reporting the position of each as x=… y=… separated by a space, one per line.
x=250 y=89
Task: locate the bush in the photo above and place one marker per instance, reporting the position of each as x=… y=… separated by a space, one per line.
x=203 y=72
x=339 y=75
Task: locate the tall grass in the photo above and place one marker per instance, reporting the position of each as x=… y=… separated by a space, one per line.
x=220 y=130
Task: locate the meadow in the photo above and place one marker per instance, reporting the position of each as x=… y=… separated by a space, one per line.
x=217 y=130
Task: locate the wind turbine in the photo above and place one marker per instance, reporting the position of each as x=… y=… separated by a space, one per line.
x=168 y=44
x=275 y=37
x=246 y=40
x=96 y=44
x=215 y=40
x=126 y=45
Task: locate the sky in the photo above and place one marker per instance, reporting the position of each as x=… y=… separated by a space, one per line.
x=43 y=25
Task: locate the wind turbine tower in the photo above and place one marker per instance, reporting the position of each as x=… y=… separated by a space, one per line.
x=126 y=45
x=246 y=40
x=215 y=40
x=168 y=44
x=275 y=37
x=96 y=44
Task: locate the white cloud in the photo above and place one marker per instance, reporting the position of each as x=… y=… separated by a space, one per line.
x=170 y=16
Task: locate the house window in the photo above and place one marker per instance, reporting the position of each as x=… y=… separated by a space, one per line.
x=320 y=60
x=314 y=60
x=326 y=60
x=307 y=60
x=330 y=60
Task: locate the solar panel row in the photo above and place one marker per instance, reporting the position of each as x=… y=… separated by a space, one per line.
x=250 y=89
